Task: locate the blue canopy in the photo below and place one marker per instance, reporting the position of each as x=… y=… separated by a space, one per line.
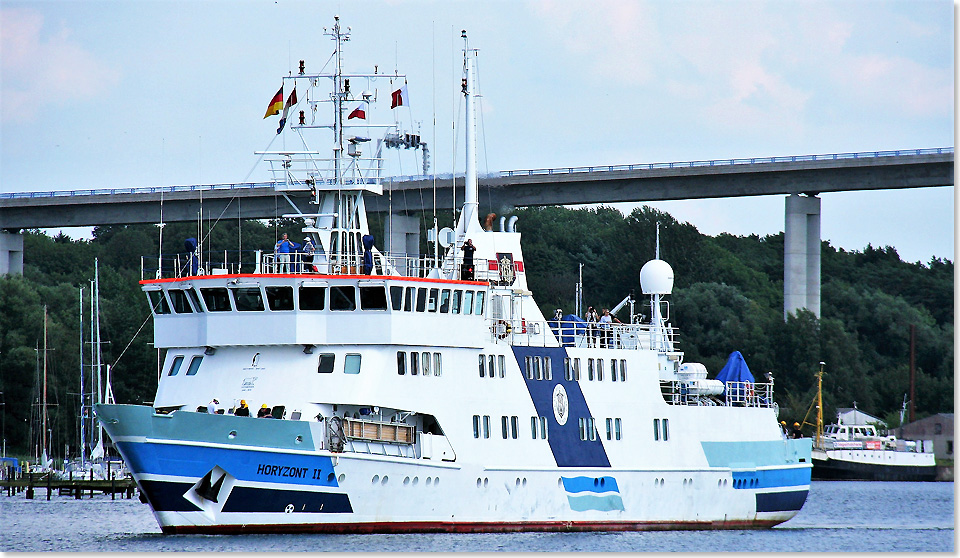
x=735 y=370
x=570 y=326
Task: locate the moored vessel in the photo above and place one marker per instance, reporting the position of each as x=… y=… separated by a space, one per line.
x=431 y=394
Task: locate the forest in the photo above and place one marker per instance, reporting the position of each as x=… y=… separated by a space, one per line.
x=728 y=295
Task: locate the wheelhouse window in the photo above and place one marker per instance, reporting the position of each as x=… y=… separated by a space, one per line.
x=194 y=365
x=351 y=363
x=158 y=302
x=192 y=293
x=468 y=302
x=280 y=298
x=408 y=301
x=396 y=297
x=373 y=298
x=457 y=302
x=175 y=365
x=216 y=299
x=179 y=301
x=327 y=360
x=478 y=308
x=343 y=297
x=248 y=299
x=432 y=300
x=312 y=298
x=421 y=299
x=445 y=301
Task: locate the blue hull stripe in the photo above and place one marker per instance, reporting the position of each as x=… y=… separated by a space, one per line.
x=168 y=497
x=565 y=443
x=244 y=464
x=586 y=502
x=781 y=501
x=772 y=478
x=590 y=484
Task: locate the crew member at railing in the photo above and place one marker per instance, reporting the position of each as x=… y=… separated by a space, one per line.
x=308 y=251
x=281 y=254
x=467 y=270
x=593 y=330
x=606 y=325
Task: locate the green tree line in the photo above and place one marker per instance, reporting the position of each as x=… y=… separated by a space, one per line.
x=728 y=296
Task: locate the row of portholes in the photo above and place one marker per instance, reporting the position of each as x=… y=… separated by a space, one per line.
x=721 y=483
x=687 y=482
x=746 y=483
x=407 y=481
x=340 y=479
x=484 y=482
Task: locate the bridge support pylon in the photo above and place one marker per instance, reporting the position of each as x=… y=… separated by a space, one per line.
x=801 y=255
x=402 y=234
x=11 y=253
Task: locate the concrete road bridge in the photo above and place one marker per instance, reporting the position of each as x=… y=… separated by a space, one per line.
x=801 y=178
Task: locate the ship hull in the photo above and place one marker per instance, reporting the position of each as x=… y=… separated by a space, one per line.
x=875 y=465
x=223 y=474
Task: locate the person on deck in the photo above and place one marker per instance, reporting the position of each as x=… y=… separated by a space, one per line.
x=467 y=270
x=242 y=410
x=308 y=251
x=796 y=431
x=212 y=406
x=592 y=329
x=264 y=412
x=281 y=254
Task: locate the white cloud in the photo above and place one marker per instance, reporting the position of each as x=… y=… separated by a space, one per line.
x=41 y=67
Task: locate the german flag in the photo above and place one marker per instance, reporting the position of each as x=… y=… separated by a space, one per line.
x=275 y=104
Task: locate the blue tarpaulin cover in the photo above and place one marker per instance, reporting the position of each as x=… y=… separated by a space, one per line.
x=570 y=326
x=735 y=370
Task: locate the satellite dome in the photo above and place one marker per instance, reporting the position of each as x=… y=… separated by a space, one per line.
x=656 y=277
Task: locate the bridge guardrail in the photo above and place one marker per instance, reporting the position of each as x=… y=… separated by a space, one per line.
x=503 y=174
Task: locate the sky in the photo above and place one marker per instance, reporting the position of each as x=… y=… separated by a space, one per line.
x=114 y=94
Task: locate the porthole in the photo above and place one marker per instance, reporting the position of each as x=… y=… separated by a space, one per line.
x=429 y=480
x=486 y=482
x=232 y=434
x=406 y=481
x=436 y=481
x=341 y=477
x=518 y=481
x=330 y=477
x=560 y=483
x=299 y=440
x=375 y=480
x=416 y=480
x=384 y=480
x=479 y=482
x=524 y=482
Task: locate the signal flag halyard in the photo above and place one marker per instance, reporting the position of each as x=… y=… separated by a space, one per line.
x=275 y=104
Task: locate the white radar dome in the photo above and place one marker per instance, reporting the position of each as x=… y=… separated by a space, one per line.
x=656 y=277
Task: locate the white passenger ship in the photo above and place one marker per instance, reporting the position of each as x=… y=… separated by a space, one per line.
x=434 y=397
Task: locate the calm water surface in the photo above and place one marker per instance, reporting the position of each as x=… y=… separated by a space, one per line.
x=839 y=516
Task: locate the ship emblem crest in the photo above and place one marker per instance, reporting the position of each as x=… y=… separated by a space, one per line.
x=561 y=408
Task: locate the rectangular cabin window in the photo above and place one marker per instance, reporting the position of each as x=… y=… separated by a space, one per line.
x=528 y=366
x=179 y=301
x=514 y=427
x=421 y=299
x=609 y=428
x=468 y=302
x=414 y=366
x=248 y=299
x=613 y=370
x=576 y=369
x=547 y=369
x=599 y=369
x=325 y=365
x=486 y=426
x=432 y=300
x=583 y=428
x=396 y=297
x=280 y=298
x=194 y=365
x=175 y=365
x=401 y=362
x=503 y=364
x=192 y=293
x=533 y=427
x=216 y=299
x=616 y=428
x=567 y=369
x=445 y=301
x=537 y=365
x=373 y=298
x=503 y=426
x=476 y=426
x=478 y=308
x=543 y=428
x=590 y=369
x=408 y=301
x=457 y=301
x=483 y=361
x=158 y=302
x=591 y=429
x=666 y=430
x=425 y=363
x=343 y=297
x=437 y=364
x=656 y=430
x=351 y=363
x=312 y=298
x=623 y=370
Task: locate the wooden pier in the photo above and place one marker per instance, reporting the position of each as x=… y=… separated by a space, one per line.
x=29 y=483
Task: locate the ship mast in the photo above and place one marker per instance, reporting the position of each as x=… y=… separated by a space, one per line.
x=819 y=432
x=469 y=220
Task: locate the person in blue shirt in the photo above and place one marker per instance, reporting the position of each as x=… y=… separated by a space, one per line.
x=281 y=254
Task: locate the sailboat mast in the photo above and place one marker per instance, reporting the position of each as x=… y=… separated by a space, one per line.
x=83 y=432
x=819 y=433
x=43 y=416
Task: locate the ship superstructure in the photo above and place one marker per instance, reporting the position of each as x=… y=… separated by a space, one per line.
x=433 y=395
